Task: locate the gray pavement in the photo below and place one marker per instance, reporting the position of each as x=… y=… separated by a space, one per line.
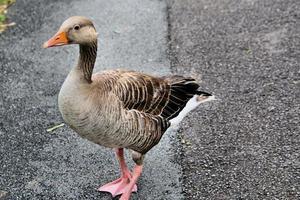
x=246 y=144
x=243 y=146
x=35 y=164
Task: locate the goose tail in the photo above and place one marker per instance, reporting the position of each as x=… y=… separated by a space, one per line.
x=202 y=97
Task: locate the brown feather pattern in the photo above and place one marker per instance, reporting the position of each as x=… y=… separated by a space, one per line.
x=147 y=102
x=121 y=108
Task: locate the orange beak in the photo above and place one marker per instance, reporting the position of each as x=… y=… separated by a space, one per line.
x=58 y=39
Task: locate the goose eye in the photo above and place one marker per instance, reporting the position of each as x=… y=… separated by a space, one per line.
x=77 y=27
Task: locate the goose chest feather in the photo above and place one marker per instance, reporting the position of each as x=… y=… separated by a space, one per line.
x=86 y=109
x=119 y=108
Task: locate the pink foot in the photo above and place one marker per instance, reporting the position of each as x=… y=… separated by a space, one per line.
x=118 y=186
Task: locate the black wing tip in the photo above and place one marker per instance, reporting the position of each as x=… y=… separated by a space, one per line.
x=201 y=93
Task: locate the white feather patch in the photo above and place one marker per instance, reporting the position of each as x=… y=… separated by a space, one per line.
x=191 y=105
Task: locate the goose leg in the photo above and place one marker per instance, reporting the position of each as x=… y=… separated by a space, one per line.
x=120 y=185
x=136 y=174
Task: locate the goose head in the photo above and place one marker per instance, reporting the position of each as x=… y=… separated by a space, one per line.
x=75 y=30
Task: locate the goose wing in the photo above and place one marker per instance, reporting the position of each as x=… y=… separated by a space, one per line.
x=150 y=102
x=158 y=96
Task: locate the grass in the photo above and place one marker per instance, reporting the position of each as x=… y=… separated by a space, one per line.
x=55 y=127
x=4 y=4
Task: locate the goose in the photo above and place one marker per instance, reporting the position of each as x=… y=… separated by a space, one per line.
x=119 y=109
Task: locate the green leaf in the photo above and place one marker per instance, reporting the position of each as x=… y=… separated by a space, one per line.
x=2 y=18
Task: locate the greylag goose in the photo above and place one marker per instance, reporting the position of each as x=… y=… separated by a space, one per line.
x=119 y=108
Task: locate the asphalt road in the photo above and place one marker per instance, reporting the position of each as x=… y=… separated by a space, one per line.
x=243 y=146
x=36 y=164
x=246 y=145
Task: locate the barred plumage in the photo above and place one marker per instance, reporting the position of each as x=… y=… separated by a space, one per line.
x=149 y=103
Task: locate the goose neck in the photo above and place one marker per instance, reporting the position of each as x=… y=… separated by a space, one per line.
x=87 y=59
